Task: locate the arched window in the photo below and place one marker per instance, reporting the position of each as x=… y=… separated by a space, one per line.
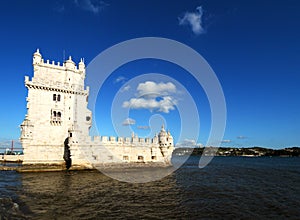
x=56 y=117
x=54 y=97
x=58 y=97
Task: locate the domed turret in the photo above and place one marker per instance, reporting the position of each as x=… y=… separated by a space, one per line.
x=165 y=138
x=162 y=132
x=37 y=57
x=81 y=65
x=162 y=136
x=70 y=63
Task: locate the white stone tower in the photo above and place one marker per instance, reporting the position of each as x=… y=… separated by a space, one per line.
x=56 y=106
x=56 y=127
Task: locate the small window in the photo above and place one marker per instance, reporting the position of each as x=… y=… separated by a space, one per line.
x=56 y=117
x=153 y=157
x=70 y=135
x=88 y=118
x=125 y=158
x=140 y=158
x=56 y=97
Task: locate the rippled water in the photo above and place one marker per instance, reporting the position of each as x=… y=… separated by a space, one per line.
x=229 y=187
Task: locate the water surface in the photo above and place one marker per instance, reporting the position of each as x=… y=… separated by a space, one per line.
x=229 y=187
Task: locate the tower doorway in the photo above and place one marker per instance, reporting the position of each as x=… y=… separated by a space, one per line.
x=67 y=154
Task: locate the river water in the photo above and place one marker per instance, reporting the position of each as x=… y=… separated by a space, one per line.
x=229 y=187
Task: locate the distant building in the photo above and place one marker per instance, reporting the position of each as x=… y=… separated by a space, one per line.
x=56 y=127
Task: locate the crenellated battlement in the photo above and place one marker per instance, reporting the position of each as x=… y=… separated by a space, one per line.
x=123 y=140
x=68 y=65
x=157 y=140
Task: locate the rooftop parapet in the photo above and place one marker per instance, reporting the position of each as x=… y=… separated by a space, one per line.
x=123 y=140
x=68 y=64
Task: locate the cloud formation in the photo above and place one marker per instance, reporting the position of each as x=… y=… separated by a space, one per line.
x=120 y=79
x=94 y=6
x=194 y=20
x=125 y=88
x=154 y=97
x=166 y=104
x=152 y=89
x=128 y=121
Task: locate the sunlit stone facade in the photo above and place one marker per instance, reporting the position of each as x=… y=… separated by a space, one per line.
x=56 y=127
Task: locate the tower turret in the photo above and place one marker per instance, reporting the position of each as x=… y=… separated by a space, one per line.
x=170 y=139
x=70 y=63
x=37 y=57
x=81 y=65
x=162 y=136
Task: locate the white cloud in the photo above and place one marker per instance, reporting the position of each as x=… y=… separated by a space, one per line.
x=153 y=96
x=120 y=79
x=188 y=143
x=194 y=20
x=153 y=89
x=128 y=121
x=125 y=88
x=166 y=104
x=94 y=6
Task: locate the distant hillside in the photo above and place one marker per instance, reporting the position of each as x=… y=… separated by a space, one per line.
x=231 y=151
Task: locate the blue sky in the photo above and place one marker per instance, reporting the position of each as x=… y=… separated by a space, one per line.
x=252 y=46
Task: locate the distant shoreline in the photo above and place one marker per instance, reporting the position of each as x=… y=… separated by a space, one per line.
x=246 y=152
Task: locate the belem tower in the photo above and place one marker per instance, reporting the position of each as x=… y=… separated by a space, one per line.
x=56 y=127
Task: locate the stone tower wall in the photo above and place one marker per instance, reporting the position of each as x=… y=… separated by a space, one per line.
x=57 y=116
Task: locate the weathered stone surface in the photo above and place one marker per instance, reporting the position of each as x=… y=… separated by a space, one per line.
x=56 y=127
